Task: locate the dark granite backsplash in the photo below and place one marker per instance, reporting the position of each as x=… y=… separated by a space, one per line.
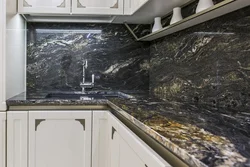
x=55 y=52
x=208 y=67
x=206 y=64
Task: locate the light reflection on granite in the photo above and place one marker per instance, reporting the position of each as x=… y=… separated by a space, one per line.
x=55 y=52
x=184 y=128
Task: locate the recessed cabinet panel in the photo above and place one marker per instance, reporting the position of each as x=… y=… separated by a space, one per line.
x=97 y=7
x=17 y=139
x=44 y=6
x=2 y=138
x=60 y=138
x=129 y=149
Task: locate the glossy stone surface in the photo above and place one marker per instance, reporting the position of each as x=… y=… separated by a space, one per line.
x=205 y=70
x=55 y=53
x=194 y=133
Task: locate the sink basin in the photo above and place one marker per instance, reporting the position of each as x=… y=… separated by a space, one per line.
x=89 y=96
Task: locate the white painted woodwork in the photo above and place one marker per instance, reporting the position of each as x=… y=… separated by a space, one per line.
x=100 y=139
x=44 y=6
x=59 y=140
x=97 y=7
x=15 y=51
x=2 y=138
x=17 y=139
x=2 y=54
x=132 y=6
x=128 y=146
x=217 y=10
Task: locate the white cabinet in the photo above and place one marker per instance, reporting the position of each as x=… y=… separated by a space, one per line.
x=129 y=150
x=2 y=138
x=60 y=138
x=2 y=54
x=131 y=6
x=44 y=6
x=100 y=139
x=72 y=138
x=80 y=7
x=17 y=138
x=97 y=7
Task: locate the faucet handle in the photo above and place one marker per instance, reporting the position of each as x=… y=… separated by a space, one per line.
x=93 y=78
x=85 y=63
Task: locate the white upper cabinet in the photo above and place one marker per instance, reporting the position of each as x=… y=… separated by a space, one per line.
x=60 y=138
x=44 y=6
x=80 y=7
x=97 y=7
x=2 y=55
x=131 y=6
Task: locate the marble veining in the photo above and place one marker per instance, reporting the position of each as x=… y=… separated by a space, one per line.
x=202 y=139
x=206 y=67
x=55 y=53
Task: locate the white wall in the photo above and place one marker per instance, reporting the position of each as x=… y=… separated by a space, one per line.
x=15 y=51
x=2 y=55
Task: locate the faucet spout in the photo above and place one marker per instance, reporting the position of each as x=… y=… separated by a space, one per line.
x=84 y=84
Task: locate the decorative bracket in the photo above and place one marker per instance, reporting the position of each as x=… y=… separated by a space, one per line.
x=37 y=122
x=79 y=5
x=116 y=5
x=113 y=132
x=62 y=5
x=26 y=4
x=82 y=122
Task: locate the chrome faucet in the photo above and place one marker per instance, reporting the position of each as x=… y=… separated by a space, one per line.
x=84 y=84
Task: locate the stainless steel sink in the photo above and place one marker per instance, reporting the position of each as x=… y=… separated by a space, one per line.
x=88 y=96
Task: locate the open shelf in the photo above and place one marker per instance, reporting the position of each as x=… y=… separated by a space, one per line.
x=217 y=10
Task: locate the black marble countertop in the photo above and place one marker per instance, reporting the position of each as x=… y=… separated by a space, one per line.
x=196 y=133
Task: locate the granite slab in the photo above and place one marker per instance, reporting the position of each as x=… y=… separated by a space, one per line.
x=197 y=135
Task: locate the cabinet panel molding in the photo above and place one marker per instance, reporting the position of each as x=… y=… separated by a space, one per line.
x=17 y=139
x=62 y=138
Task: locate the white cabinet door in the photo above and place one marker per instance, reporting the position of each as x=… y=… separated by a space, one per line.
x=17 y=139
x=2 y=54
x=44 y=6
x=2 y=138
x=130 y=150
x=131 y=6
x=60 y=138
x=100 y=139
x=97 y=7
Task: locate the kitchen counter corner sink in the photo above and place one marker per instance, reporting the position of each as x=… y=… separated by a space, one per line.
x=87 y=96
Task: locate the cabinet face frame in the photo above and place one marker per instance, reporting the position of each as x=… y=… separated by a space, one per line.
x=116 y=9
x=38 y=119
x=100 y=138
x=25 y=8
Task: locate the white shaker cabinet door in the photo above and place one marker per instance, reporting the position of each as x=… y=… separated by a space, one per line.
x=2 y=138
x=60 y=138
x=17 y=139
x=44 y=6
x=97 y=7
x=127 y=149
